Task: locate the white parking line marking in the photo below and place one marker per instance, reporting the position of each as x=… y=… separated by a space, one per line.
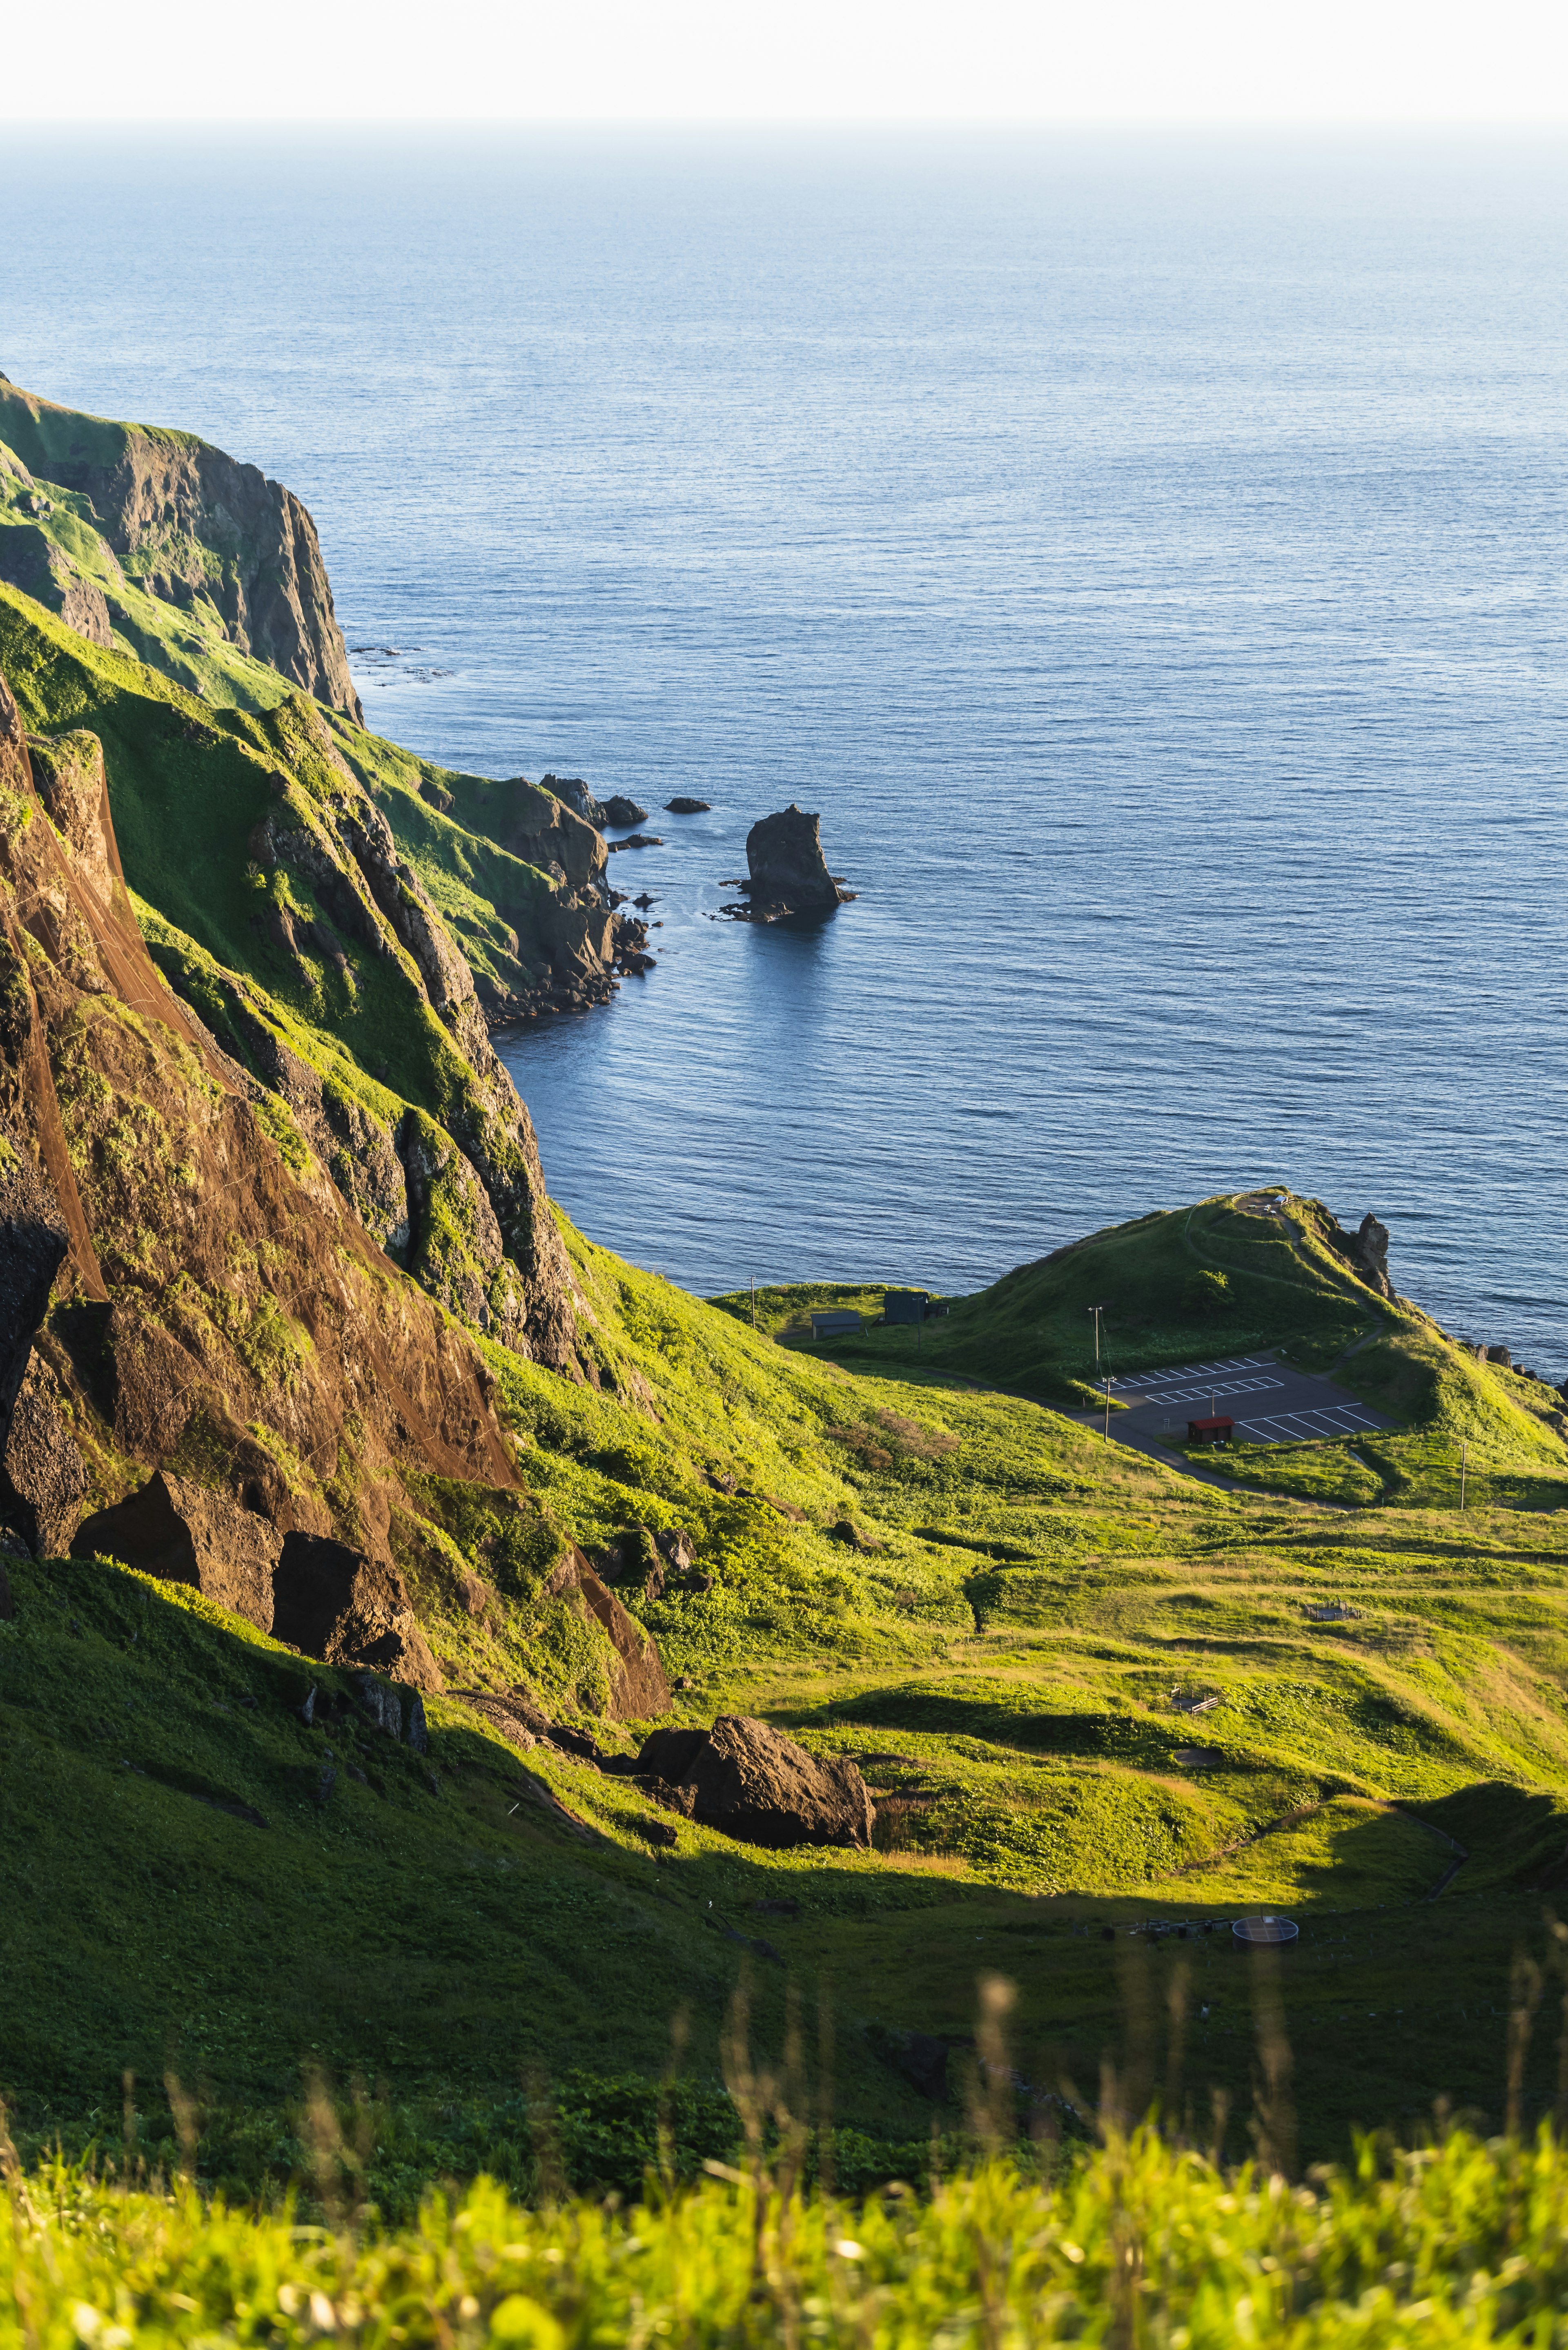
x=1195 y=1371
x=1298 y=1424
x=1212 y=1387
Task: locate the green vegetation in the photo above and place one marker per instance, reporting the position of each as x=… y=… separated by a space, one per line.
x=1014 y=1650
x=1093 y=1698
x=1461 y=2241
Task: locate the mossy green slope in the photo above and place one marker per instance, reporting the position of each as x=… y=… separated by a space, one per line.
x=1014 y=1668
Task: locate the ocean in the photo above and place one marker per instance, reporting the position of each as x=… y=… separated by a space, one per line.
x=1145 y=552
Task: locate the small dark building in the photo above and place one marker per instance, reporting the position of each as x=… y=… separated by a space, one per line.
x=1211 y=1431
x=834 y=1324
x=905 y=1305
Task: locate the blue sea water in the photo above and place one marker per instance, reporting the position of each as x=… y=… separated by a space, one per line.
x=1146 y=554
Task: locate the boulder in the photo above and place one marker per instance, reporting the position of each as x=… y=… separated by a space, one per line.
x=758 y=1786
x=639 y=1685
x=185 y=1532
x=621 y=811
x=788 y=871
x=335 y=1603
x=681 y=805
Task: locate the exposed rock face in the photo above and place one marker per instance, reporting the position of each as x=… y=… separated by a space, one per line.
x=475 y=1225
x=640 y=1686
x=788 y=871
x=332 y=1601
x=619 y=810
x=43 y=1484
x=191 y=526
x=1365 y=1251
x=758 y=1786
x=682 y=805
x=535 y=826
x=397 y=1713
x=1371 y=1248
x=577 y=796
x=184 y=1533
x=69 y=778
x=33 y=1240
x=28 y=560
x=207 y=1294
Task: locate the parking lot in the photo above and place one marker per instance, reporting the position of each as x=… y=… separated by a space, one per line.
x=1271 y=1402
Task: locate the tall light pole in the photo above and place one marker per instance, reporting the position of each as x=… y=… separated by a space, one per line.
x=1096 y=1311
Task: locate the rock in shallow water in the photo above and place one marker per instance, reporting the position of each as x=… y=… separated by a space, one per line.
x=788 y=871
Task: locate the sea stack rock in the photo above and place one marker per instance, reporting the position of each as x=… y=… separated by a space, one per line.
x=789 y=873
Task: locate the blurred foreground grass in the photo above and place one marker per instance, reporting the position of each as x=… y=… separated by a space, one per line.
x=1139 y=2243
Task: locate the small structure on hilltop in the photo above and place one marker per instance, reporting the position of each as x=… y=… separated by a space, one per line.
x=837 y=1324
x=905 y=1305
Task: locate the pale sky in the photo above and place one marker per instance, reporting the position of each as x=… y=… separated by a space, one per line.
x=824 y=60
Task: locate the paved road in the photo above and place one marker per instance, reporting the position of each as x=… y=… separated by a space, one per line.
x=1271 y=1402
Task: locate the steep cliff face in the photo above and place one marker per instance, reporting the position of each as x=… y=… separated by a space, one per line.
x=276 y=900
x=218 y=1312
x=182 y=522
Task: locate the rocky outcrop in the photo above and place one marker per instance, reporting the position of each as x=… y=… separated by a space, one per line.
x=788 y=872
x=1370 y=1249
x=69 y=778
x=531 y=823
x=32 y=562
x=397 y=1714
x=749 y=1780
x=640 y=1686
x=184 y=1533
x=578 y=798
x=620 y=811
x=33 y=1240
x=43 y=1479
x=681 y=805
x=331 y=1601
x=1364 y=1251
x=191 y=526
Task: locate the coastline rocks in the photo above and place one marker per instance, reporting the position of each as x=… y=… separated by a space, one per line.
x=750 y=1780
x=635 y=841
x=577 y=796
x=1371 y=1250
x=683 y=806
x=788 y=872
x=619 y=810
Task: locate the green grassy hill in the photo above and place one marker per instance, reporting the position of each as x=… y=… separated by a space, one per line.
x=1006 y=1649
x=1096 y=1698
